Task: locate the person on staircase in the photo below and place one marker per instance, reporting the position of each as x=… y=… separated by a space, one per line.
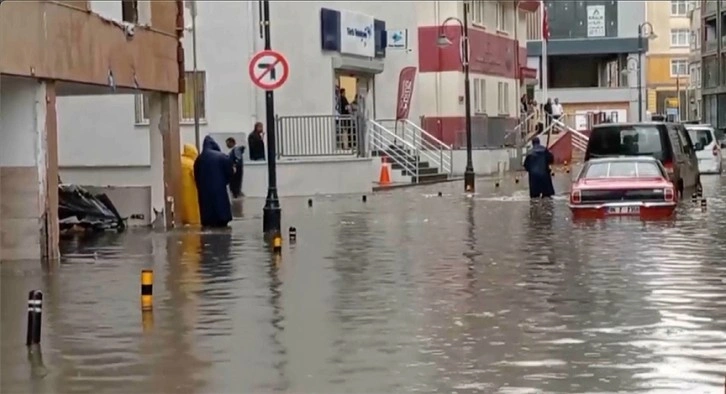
x=537 y=164
x=557 y=112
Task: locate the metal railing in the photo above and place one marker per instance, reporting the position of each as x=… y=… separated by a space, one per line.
x=427 y=146
x=520 y=133
x=396 y=149
x=319 y=135
x=579 y=140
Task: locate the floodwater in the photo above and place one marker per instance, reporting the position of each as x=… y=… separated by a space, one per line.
x=409 y=292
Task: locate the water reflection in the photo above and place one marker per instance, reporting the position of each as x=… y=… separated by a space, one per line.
x=408 y=292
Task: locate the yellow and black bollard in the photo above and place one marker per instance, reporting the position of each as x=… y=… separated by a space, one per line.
x=277 y=243
x=703 y=205
x=35 y=314
x=292 y=233
x=147 y=290
x=694 y=198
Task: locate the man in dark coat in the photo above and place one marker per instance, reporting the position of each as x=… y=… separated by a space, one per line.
x=212 y=173
x=537 y=163
x=255 y=143
x=236 y=154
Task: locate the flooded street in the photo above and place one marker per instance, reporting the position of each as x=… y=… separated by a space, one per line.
x=409 y=292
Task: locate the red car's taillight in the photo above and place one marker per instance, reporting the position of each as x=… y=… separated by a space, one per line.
x=576 y=197
x=669 y=194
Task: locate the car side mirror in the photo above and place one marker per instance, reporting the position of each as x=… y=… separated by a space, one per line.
x=698 y=146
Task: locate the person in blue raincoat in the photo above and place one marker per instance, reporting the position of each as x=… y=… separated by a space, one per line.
x=212 y=173
x=537 y=163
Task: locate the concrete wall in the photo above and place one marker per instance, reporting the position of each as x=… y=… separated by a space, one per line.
x=310 y=177
x=22 y=167
x=486 y=161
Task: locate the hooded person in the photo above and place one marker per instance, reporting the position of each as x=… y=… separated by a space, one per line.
x=537 y=163
x=190 y=201
x=212 y=173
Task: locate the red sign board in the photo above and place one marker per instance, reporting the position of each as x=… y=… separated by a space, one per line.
x=268 y=69
x=405 y=92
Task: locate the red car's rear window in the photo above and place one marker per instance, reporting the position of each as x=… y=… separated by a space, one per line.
x=623 y=169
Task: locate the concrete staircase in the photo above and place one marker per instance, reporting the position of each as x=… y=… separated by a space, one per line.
x=415 y=168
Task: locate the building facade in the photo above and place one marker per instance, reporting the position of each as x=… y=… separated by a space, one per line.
x=713 y=62
x=693 y=102
x=497 y=67
x=668 y=56
x=322 y=55
x=591 y=57
x=54 y=49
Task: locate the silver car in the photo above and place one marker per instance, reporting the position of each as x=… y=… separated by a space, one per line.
x=708 y=148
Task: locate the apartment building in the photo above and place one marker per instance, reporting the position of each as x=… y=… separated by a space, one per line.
x=52 y=49
x=668 y=56
x=592 y=57
x=713 y=62
x=693 y=102
x=497 y=60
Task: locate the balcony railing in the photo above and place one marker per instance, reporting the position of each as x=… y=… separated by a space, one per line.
x=710 y=46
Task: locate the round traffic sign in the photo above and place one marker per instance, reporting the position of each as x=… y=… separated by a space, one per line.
x=268 y=69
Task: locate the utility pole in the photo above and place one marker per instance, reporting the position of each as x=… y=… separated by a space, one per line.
x=271 y=213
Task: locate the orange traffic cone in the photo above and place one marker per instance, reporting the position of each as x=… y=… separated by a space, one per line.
x=384 y=179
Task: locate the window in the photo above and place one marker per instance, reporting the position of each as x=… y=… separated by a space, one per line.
x=502 y=21
x=130 y=11
x=626 y=141
x=679 y=67
x=679 y=37
x=680 y=7
x=477 y=12
x=695 y=75
x=503 y=98
x=186 y=101
x=480 y=95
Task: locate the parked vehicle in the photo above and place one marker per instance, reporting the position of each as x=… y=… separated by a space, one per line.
x=708 y=148
x=668 y=142
x=626 y=186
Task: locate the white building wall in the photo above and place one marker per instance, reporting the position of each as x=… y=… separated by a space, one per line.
x=101 y=132
x=447 y=89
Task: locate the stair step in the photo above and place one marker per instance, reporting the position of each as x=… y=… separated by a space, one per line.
x=438 y=177
x=421 y=164
x=422 y=171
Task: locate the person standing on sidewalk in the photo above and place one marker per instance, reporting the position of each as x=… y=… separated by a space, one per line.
x=236 y=154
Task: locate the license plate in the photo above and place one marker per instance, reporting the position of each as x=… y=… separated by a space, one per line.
x=623 y=210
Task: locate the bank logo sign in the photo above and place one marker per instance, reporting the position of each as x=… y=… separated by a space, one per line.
x=357 y=35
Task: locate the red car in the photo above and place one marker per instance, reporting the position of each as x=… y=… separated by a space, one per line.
x=626 y=186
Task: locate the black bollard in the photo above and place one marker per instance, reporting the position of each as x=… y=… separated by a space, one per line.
x=365 y=198
x=292 y=232
x=310 y=202
x=694 y=198
x=496 y=184
x=516 y=180
x=35 y=313
x=703 y=205
x=440 y=194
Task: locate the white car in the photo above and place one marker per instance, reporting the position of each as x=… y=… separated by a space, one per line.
x=708 y=148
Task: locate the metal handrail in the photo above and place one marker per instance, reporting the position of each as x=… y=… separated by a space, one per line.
x=381 y=139
x=518 y=128
x=423 y=143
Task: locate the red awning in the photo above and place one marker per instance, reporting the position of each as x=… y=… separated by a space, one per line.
x=527 y=73
x=529 y=5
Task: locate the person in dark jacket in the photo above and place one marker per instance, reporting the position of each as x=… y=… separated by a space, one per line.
x=256 y=144
x=537 y=163
x=236 y=154
x=212 y=173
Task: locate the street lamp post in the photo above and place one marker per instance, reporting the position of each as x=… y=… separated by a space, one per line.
x=443 y=41
x=271 y=213
x=645 y=30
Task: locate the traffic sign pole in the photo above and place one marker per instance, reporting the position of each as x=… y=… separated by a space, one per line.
x=272 y=212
